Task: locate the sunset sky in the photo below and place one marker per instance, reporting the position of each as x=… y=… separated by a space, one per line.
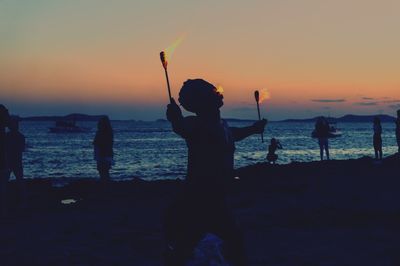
x=96 y=56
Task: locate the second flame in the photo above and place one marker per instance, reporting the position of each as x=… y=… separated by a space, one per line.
x=264 y=95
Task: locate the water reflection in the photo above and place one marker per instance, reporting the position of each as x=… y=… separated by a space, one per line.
x=68 y=201
x=151 y=151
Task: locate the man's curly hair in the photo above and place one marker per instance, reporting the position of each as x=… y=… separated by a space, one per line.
x=198 y=94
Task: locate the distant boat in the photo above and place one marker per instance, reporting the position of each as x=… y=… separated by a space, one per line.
x=333 y=132
x=67 y=127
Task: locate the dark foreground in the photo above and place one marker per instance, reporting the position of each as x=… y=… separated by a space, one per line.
x=330 y=213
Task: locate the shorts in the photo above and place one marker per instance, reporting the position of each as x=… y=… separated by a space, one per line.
x=191 y=217
x=272 y=157
x=323 y=142
x=377 y=143
x=103 y=165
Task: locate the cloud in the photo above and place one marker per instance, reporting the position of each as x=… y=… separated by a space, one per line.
x=391 y=101
x=328 y=100
x=395 y=106
x=367 y=103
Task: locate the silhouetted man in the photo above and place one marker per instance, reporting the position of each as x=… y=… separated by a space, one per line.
x=4 y=118
x=103 y=148
x=398 y=130
x=15 y=147
x=201 y=208
x=377 y=138
x=322 y=133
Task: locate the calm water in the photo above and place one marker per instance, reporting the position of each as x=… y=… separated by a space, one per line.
x=150 y=150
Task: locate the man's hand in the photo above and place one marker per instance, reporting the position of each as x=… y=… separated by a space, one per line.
x=174 y=113
x=259 y=126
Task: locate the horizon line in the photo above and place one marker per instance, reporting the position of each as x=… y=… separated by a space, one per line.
x=157 y=119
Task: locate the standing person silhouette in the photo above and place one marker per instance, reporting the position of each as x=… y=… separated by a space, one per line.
x=15 y=148
x=322 y=133
x=103 y=148
x=201 y=207
x=377 y=139
x=4 y=119
x=272 y=156
x=398 y=130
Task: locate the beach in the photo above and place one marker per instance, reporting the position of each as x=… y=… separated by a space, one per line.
x=122 y=122
x=339 y=212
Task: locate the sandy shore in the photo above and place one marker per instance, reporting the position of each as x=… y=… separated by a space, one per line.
x=317 y=213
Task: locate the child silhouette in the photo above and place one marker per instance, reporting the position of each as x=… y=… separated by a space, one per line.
x=272 y=156
x=201 y=207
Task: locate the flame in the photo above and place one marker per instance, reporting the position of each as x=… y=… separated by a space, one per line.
x=219 y=89
x=264 y=95
x=169 y=51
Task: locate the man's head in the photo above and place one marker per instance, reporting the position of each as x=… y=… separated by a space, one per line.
x=104 y=124
x=199 y=96
x=4 y=116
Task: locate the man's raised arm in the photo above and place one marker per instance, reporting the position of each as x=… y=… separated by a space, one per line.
x=174 y=115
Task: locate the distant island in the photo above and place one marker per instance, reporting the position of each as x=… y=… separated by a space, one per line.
x=347 y=119
x=75 y=117
x=161 y=120
x=344 y=119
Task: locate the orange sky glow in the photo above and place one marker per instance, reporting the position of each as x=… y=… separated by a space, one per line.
x=311 y=56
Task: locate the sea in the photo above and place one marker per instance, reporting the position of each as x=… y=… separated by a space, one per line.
x=151 y=151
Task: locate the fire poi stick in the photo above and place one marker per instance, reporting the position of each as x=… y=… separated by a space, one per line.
x=165 y=63
x=257 y=96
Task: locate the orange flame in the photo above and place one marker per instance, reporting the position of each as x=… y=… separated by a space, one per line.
x=219 y=89
x=169 y=51
x=264 y=95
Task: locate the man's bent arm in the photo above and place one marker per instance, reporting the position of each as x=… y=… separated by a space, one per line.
x=243 y=132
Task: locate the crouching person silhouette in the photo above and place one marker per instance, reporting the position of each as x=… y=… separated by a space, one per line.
x=201 y=208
